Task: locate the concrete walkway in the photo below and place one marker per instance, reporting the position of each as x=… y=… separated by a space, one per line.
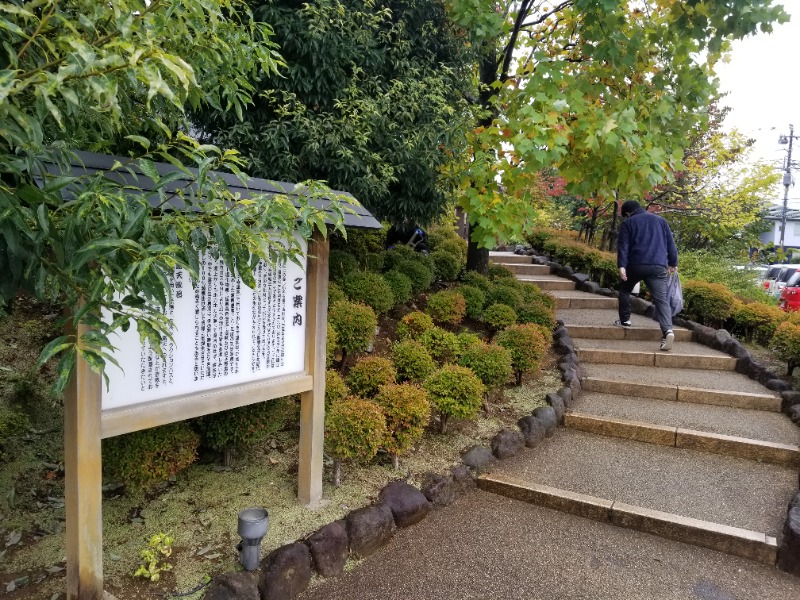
x=670 y=480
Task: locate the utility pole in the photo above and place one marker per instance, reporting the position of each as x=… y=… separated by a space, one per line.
x=787 y=181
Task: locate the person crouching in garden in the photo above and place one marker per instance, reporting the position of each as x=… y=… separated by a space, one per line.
x=646 y=252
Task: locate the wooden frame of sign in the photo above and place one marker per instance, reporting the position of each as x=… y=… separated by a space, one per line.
x=87 y=423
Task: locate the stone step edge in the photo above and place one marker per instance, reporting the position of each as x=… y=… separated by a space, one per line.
x=611 y=332
x=656 y=358
x=690 y=439
x=673 y=393
x=722 y=538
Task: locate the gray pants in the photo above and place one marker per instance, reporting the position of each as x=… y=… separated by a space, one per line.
x=656 y=277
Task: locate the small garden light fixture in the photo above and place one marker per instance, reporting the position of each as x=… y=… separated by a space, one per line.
x=253 y=526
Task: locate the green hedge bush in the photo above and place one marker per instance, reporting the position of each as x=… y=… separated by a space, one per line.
x=499 y=316
x=466 y=340
x=707 y=303
x=413 y=325
x=340 y=263
x=407 y=411
x=412 y=361
x=355 y=429
x=335 y=388
x=454 y=391
x=446 y=307
x=150 y=456
x=331 y=343
x=756 y=321
x=499 y=272
x=474 y=300
x=443 y=345
x=504 y=294
x=420 y=274
x=369 y=374
x=335 y=293
x=446 y=265
x=355 y=326
x=490 y=362
x=239 y=427
x=786 y=344
x=528 y=345
x=400 y=284
x=370 y=289
x=475 y=279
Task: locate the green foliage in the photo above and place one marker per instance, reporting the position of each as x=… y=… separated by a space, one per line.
x=335 y=294
x=445 y=237
x=500 y=293
x=499 y=316
x=153 y=558
x=413 y=325
x=756 y=321
x=532 y=294
x=455 y=392
x=398 y=254
x=369 y=374
x=786 y=343
x=490 y=362
x=371 y=101
x=359 y=242
x=354 y=324
x=150 y=456
x=407 y=413
x=400 y=284
x=336 y=389
x=443 y=345
x=341 y=263
x=370 y=289
x=707 y=303
x=446 y=307
x=373 y=261
x=564 y=249
x=528 y=345
x=499 y=272
x=716 y=268
x=537 y=307
x=474 y=300
x=446 y=264
x=466 y=340
x=119 y=76
x=412 y=361
x=331 y=343
x=475 y=279
x=418 y=271
x=246 y=425
x=355 y=429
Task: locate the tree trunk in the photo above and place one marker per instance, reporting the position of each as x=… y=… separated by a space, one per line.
x=477 y=258
x=337 y=472
x=227 y=456
x=442 y=423
x=395 y=462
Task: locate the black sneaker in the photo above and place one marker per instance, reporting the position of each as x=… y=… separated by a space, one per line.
x=619 y=323
x=666 y=341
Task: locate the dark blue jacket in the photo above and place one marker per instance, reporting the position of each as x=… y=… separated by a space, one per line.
x=645 y=239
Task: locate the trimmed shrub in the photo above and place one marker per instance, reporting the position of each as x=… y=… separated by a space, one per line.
x=504 y=294
x=355 y=326
x=238 y=427
x=331 y=343
x=528 y=345
x=443 y=345
x=533 y=312
x=499 y=272
x=490 y=362
x=150 y=456
x=707 y=303
x=466 y=340
x=454 y=245
x=340 y=263
x=475 y=279
x=446 y=307
x=359 y=241
x=369 y=374
x=335 y=388
x=499 y=316
x=446 y=265
x=412 y=361
x=396 y=255
x=335 y=293
x=355 y=429
x=445 y=237
x=400 y=284
x=370 y=289
x=420 y=274
x=407 y=413
x=474 y=300
x=373 y=261
x=756 y=321
x=786 y=344
x=455 y=392
x=413 y=325
x=531 y=293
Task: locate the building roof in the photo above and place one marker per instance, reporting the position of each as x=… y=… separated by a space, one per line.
x=90 y=163
x=775 y=213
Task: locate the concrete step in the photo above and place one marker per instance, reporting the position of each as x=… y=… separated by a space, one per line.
x=602 y=317
x=721 y=388
x=548 y=282
x=650 y=333
x=740 y=422
x=681 y=485
x=787 y=455
x=656 y=358
x=509 y=257
x=525 y=268
x=575 y=299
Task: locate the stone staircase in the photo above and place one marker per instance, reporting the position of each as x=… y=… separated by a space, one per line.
x=675 y=444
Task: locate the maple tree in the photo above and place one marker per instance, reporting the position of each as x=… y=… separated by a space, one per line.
x=602 y=90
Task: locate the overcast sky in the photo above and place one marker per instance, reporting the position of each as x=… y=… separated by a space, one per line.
x=763 y=81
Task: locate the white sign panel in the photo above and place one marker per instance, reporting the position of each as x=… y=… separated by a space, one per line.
x=225 y=334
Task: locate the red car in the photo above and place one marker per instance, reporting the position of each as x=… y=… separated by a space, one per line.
x=790 y=295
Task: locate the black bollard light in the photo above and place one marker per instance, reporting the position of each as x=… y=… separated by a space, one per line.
x=253 y=526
